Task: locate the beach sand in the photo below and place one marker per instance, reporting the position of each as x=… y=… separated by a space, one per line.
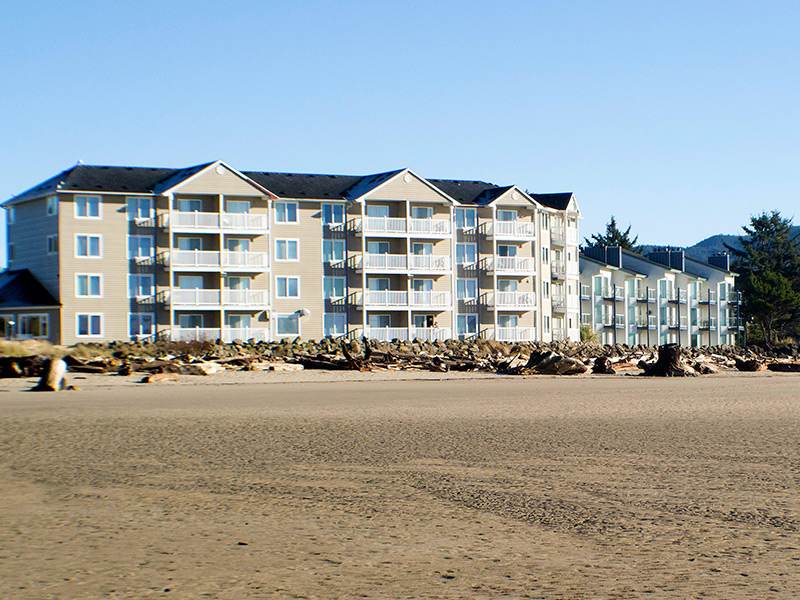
x=343 y=485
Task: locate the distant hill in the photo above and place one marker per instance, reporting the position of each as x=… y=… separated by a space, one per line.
x=716 y=243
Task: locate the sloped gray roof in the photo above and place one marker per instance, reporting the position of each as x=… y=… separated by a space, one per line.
x=19 y=288
x=558 y=200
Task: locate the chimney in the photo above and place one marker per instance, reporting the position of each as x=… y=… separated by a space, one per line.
x=721 y=260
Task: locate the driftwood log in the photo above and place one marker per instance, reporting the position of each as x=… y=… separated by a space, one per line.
x=54 y=376
x=668 y=364
x=784 y=367
x=602 y=366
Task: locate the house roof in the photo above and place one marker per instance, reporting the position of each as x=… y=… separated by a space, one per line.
x=19 y=289
x=558 y=200
x=155 y=180
x=628 y=269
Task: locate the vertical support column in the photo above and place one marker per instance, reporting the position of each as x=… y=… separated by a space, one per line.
x=221 y=283
x=494 y=268
x=363 y=268
x=170 y=243
x=454 y=274
x=408 y=268
x=269 y=268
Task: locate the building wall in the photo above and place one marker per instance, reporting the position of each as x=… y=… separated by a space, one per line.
x=29 y=235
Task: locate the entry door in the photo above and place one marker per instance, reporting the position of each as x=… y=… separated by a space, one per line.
x=190 y=243
x=506 y=250
x=239 y=321
x=237 y=206
x=423 y=321
x=419 y=248
x=377 y=210
x=507 y=285
x=507 y=320
x=238 y=283
x=422 y=285
x=379 y=321
x=190 y=321
x=185 y=205
x=378 y=284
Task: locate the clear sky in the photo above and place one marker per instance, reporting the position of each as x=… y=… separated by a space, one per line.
x=680 y=118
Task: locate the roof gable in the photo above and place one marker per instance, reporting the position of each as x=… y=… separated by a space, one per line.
x=19 y=289
x=399 y=185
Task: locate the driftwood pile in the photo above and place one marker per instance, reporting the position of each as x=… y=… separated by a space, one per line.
x=166 y=361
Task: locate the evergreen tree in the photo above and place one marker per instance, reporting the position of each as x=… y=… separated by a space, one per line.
x=768 y=265
x=614 y=236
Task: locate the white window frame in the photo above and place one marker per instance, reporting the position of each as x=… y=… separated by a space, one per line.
x=11 y=215
x=152 y=246
x=89 y=323
x=465 y=280
x=202 y=320
x=467 y=317
x=88 y=287
x=285 y=203
x=149 y=276
x=334 y=243
x=52 y=244
x=332 y=206
x=293 y=315
x=335 y=315
x=334 y=277
x=132 y=216
x=180 y=238
x=297 y=246
x=139 y=335
x=287 y=278
x=99 y=236
x=21 y=319
x=465 y=211
x=88 y=217
x=477 y=256
x=52 y=206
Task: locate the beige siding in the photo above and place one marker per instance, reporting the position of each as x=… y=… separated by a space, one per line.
x=211 y=182
x=398 y=188
x=29 y=236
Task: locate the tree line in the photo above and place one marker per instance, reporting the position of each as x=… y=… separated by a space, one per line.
x=768 y=266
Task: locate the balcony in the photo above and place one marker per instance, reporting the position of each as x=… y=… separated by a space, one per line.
x=514 y=334
x=510 y=230
x=200 y=222
x=558 y=303
x=558 y=269
x=210 y=298
x=558 y=236
x=211 y=260
x=708 y=298
x=709 y=324
x=646 y=323
x=387 y=263
x=586 y=292
x=619 y=321
x=510 y=300
x=400 y=226
x=428 y=334
x=202 y=334
x=734 y=297
x=648 y=296
x=520 y=265
x=682 y=324
x=400 y=299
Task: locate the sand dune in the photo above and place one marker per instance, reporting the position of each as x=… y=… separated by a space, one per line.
x=457 y=488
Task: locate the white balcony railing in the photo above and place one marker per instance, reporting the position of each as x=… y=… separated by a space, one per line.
x=211 y=220
x=387 y=334
x=386 y=262
x=195 y=297
x=511 y=299
x=385 y=225
x=431 y=298
x=259 y=334
x=429 y=262
x=517 y=229
x=515 y=334
x=557 y=302
x=226 y=334
x=558 y=236
x=386 y=298
x=558 y=268
x=245 y=297
x=214 y=259
x=194 y=220
x=248 y=221
x=429 y=226
x=430 y=334
x=511 y=264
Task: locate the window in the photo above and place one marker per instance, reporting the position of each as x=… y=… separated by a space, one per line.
x=88 y=246
x=377 y=247
x=286 y=212
x=332 y=250
x=466 y=325
x=506 y=215
x=545 y=255
x=545 y=221
x=287 y=287
x=87 y=207
x=190 y=321
x=88 y=285
x=506 y=250
x=422 y=248
x=11 y=215
x=52 y=205
x=546 y=289
x=723 y=292
x=334 y=324
x=142 y=285
x=36 y=326
x=333 y=287
x=546 y=324
x=237 y=244
x=140 y=208
x=332 y=214
x=466 y=254
x=6 y=327
x=89 y=325
x=190 y=243
x=507 y=285
x=239 y=207
x=141 y=325
x=287 y=324
x=190 y=205
x=52 y=244
x=466 y=218
x=140 y=246
x=507 y=321
x=421 y=212
x=467 y=289
x=378 y=210
x=286 y=250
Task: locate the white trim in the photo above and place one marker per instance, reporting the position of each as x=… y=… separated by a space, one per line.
x=332 y=204
x=102 y=284
x=11 y=215
x=174 y=189
x=334 y=314
x=136 y=235
x=89 y=235
x=130 y=216
x=149 y=275
x=44 y=316
x=287 y=277
x=297 y=212
x=99 y=216
x=153 y=330
x=296 y=241
x=344 y=287
x=296 y=315
x=89 y=323
x=192 y=314
x=333 y=241
x=402 y=174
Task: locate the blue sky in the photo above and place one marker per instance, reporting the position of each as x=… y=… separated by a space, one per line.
x=681 y=118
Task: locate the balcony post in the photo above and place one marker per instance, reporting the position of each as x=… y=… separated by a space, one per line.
x=220 y=207
x=409 y=295
x=170 y=243
x=494 y=266
x=364 y=267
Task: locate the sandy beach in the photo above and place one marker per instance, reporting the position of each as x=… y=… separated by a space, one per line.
x=303 y=485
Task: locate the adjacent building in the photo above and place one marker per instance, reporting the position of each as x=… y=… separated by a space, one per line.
x=208 y=252
x=664 y=297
